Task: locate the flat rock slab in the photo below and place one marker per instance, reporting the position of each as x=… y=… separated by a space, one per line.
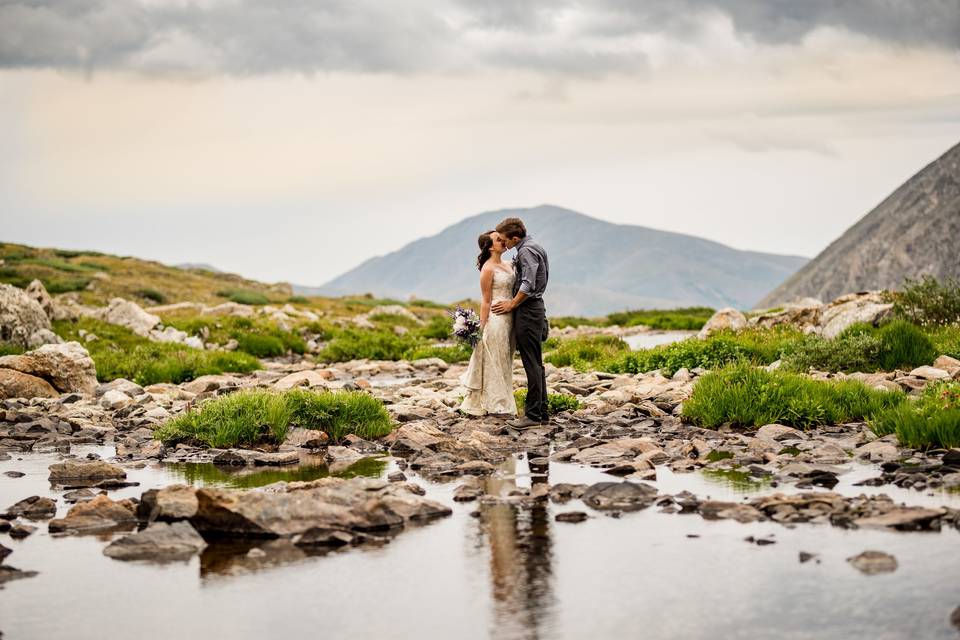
x=619 y=496
x=76 y=473
x=96 y=515
x=160 y=542
x=873 y=562
x=34 y=508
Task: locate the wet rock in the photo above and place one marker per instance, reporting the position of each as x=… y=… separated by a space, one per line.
x=306 y=438
x=564 y=492
x=610 y=453
x=276 y=459
x=74 y=473
x=172 y=503
x=99 y=514
x=905 y=519
x=34 y=508
x=415 y=436
x=78 y=495
x=873 y=562
x=397 y=476
x=357 y=504
x=719 y=510
x=14 y=384
x=467 y=492
x=160 y=542
x=14 y=474
x=571 y=516
x=4 y=552
x=805 y=556
x=21 y=530
x=620 y=496
x=67 y=367
x=233 y=458
x=342 y=456
x=878 y=451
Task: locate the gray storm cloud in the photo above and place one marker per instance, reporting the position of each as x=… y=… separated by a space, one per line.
x=563 y=36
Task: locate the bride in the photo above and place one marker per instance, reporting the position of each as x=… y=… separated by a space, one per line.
x=489 y=377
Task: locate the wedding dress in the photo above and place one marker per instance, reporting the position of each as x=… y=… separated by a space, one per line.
x=489 y=376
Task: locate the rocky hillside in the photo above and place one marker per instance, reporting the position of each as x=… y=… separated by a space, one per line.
x=596 y=266
x=98 y=277
x=914 y=232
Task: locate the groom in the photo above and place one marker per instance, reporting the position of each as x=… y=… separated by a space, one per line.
x=529 y=317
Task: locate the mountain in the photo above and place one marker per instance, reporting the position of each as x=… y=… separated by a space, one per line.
x=595 y=266
x=914 y=232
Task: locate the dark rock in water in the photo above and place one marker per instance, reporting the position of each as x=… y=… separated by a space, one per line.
x=951 y=458
x=160 y=542
x=8 y=573
x=620 y=496
x=4 y=552
x=277 y=459
x=955 y=618
x=873 y=562
x=78 y=495
x=176 y=502
x=230 y=458
x=4 y=526
x=564 y=492
x=807 y=557
x=20 y=531
x=14 y=474
x=819 y=478
x=319 y=537
x=571 y=516
x=397 y=476
x=34 y=508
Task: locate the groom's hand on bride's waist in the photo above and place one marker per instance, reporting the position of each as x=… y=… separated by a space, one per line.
x=502 y=307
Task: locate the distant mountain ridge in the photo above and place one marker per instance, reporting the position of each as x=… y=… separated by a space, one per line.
x=914 y=232
x=596 y=266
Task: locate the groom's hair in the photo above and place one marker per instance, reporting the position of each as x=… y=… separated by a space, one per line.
x=512 y=228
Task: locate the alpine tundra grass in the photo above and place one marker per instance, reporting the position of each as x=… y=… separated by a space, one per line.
x=258 y=416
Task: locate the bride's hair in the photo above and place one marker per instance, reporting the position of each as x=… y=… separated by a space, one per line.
x=485 y=241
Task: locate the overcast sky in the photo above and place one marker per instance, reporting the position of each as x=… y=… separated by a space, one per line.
x=292 y=140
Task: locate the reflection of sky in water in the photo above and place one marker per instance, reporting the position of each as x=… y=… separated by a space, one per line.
x=509 y=573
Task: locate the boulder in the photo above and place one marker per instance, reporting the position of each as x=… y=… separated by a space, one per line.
x=727 y=318
x=114 y=400
x=930 y=373
x=330 y=504
x=868 y=307
x=67 y=367
x=38 y=292
x=948 y=364
x=14 y=384
x=176 y=502
x=41 y=337
x=779 y=432
x=160 y=542
x=99 y=514
x=802 y=314
x=20 y=316
x=34 y=508
x=130 y=315
x=76 y=473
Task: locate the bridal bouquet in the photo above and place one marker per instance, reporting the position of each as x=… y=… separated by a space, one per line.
x=466 y=326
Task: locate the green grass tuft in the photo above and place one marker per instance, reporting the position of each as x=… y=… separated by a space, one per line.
x=690 y=318
x=457 y=353
x=584 y=353
x=257 y=416
x=244 y=296
x=932 y=421
x=152 y=295
x=556 y=402
x=744 y=395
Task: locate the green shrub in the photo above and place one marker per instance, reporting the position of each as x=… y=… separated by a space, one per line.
x=456 y=353
x=256 y=416
x=853 y=351
x=390 y=320
x=690 y=318
x=61 y=265
x=756 y=346
x=356 y=344
x=932 y=421
x=10 y=275
x=928 y=301
x=946 y=340
x=556 y=402
x=587 y=353
x=151 y=294
x=437 y=328
x=298 y=300
x=743 y=395
x=258 y=337
x=904 y=346
x=65 y=285
x=244 y=296
x=561 y=322
x=120 y=353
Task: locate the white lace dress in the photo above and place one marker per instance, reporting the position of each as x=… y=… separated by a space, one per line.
x=489 y=377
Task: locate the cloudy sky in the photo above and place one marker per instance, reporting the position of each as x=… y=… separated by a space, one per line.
x=292 y=140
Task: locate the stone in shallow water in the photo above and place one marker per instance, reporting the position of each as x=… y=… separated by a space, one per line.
x=873 y=562
x=8 y=573
x=75 y=473
x=160 y=542
x=571 y=516
x=99 y=514
x=176 y=502
x=619 y=496
x=34 y=508
x=905 y=519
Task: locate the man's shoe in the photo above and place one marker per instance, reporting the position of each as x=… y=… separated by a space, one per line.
x=523 y=423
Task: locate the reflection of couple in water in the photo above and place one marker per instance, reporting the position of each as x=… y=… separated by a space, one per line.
x=521 y=555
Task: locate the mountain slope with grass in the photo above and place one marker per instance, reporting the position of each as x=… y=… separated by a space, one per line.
x=98 y=277
x=912 y=233
x=595 y=266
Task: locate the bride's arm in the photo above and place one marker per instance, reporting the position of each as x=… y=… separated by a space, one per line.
x=486 y=293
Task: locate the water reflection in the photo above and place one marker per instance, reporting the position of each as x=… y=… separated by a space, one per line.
x=736 y=479
x=521 y=556
x=209 y=474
